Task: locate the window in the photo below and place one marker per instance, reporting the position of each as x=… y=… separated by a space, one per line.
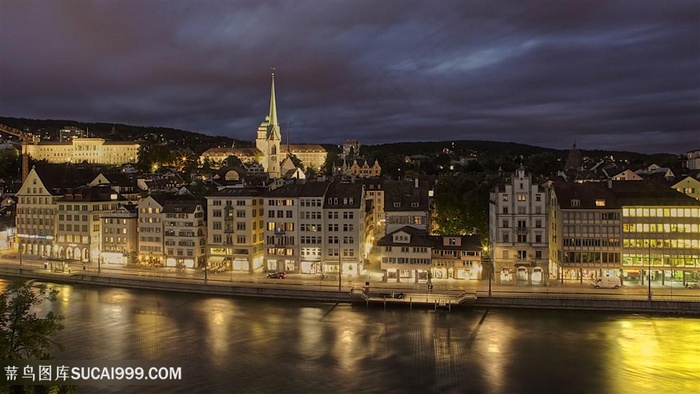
x=538 y=254
x=599 y=203
x=217 y=213
x=505 y=237
x=505 y=197
x=522 y=254
x=522 y=197
x=575 y=203
x=505 y=210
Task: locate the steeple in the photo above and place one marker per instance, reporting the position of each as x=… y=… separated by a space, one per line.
x=273 y=130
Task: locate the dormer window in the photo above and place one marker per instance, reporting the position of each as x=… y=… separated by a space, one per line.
x=599 y=203
x=575 y=203
x=414 y=205
x=397 y=205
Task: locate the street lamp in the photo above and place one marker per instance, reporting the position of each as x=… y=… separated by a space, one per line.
x=19 y=248
x=487 y=258
x=649 y=274
x=340 y=271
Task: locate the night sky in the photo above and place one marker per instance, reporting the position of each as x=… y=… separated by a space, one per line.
x=622 y=75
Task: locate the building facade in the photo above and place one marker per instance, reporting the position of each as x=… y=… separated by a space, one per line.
x=344 y=212
x=311 y=156
x=79 y=226
x=518 y=230
x=119 y=236
x=406 y=203
x=184 y=234
x=584 y=231
x=235 y=229
x=90 y=150
x=635 y=230
x=150 y=229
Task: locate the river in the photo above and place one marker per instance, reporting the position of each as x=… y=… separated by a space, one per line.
x=243 y=345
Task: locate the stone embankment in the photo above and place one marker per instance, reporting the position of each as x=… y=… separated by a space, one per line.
x=357 y=296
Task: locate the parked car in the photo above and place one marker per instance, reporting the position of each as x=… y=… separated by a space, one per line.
x=276 y=275
x=607 y=282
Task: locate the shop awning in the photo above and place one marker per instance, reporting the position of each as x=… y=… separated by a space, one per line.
x=216 y=259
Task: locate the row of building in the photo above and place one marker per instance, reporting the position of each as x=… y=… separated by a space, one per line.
x=310 y=227
x=579 y=231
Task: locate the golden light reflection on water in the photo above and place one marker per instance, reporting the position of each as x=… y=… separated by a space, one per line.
x=311 y=333
x=656 y=354
x=495 y=341
x=219 y=324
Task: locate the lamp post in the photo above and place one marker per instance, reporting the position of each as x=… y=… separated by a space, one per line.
x=340 y=271
x=19 y=248
x=487 y=258
x=649 y=274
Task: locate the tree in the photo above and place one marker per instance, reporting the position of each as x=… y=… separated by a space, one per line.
x=461 y=204
x=9 y=163
x=26 y=336
x=23 y=334
x=233 y=161
x=329 y=164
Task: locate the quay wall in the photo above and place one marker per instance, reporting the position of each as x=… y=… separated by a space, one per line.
x=300 y=292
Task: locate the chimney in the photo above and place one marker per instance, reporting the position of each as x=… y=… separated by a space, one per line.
x=415 y=181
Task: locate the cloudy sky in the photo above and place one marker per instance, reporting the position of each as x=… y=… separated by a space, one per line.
x=607 y=74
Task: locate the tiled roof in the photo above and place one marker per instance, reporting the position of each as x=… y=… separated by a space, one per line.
x=348 y=195
x=238 y=192
x=403 y=195
x=649 y=193
x=586 y=194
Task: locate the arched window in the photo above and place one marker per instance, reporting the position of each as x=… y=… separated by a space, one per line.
x=273 y=151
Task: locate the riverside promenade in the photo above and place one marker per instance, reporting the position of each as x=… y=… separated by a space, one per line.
x=383 y=295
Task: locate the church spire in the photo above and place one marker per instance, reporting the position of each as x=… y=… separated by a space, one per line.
x=273 y=130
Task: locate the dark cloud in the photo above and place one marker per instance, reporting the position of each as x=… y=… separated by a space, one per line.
x=609 y=74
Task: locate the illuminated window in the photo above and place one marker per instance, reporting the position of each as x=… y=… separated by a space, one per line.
x=599 y=203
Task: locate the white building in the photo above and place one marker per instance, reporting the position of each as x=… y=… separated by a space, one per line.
x=150 y=229
x=344 y=212
x=518 y=230
x=90 y=150
x=235 y=229
x=184 y=234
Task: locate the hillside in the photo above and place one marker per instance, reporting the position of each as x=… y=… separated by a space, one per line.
x=491 y=154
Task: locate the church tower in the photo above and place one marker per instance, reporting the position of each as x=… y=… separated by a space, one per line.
x=269 y=138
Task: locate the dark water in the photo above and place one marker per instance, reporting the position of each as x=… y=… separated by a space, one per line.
x=227 y=345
